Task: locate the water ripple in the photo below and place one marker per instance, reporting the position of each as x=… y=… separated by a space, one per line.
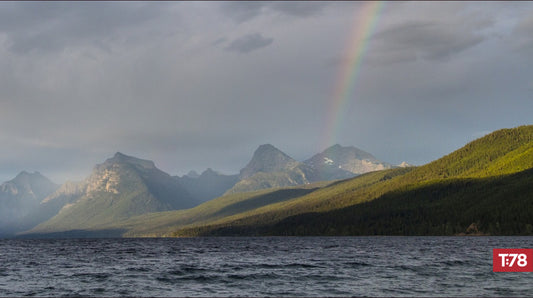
x=270 y=266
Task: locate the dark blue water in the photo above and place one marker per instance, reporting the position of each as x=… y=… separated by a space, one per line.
x=313 y=266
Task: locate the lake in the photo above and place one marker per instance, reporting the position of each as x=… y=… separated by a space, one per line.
x=260 y=266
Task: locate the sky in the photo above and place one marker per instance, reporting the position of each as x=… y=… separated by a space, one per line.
x=192 y=85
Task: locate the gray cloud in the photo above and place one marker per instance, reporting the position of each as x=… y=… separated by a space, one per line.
x=248 y=43
x=522 y=37
x=82 y=80
x=53 y=26
x=425 y=40
x=242 y=11
x=299 y=8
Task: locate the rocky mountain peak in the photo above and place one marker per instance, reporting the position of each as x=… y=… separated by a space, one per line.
x=25 y=177
x=209 y=172
x=192 y=174
x=340 y=152
x=267 y=158
x=350 y=159
x=119 y=158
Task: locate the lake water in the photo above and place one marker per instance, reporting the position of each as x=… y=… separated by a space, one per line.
x=272 y=266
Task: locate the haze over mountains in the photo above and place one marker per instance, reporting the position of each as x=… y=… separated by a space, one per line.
x=20 y=197
x=124 y=186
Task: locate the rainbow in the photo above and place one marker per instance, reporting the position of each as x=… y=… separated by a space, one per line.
x=364 y=25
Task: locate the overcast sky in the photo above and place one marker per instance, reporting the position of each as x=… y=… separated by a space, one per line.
x=192 y=85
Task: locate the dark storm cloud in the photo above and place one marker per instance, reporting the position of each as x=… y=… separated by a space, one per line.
x=248 y=43
x=52 y=26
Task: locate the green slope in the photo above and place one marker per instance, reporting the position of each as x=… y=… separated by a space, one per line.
x=491 y=206
x=480 y=173
x=502 y=152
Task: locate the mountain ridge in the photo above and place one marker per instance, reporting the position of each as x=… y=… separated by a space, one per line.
x=121 y=187
x=267 y=158
x=272 y=168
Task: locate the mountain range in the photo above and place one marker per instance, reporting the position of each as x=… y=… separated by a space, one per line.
x=124 y=186
x=271 y=168
x=481 y=189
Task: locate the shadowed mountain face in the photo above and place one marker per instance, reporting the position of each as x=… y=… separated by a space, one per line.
x=209 y=185
x=20 y=197
x=121 y=187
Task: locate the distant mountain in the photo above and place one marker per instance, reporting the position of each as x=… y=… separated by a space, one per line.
x=28 y=186
x=121 y=187
x=271 y=168
x=20 y=197
x=207 y=186
x=192 y=174
x=338 y=162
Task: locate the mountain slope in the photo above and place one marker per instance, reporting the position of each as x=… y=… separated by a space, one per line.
x=501 y=205
x=164 y=223
x=271 y=168
x=262 y=205
x=121 y=187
